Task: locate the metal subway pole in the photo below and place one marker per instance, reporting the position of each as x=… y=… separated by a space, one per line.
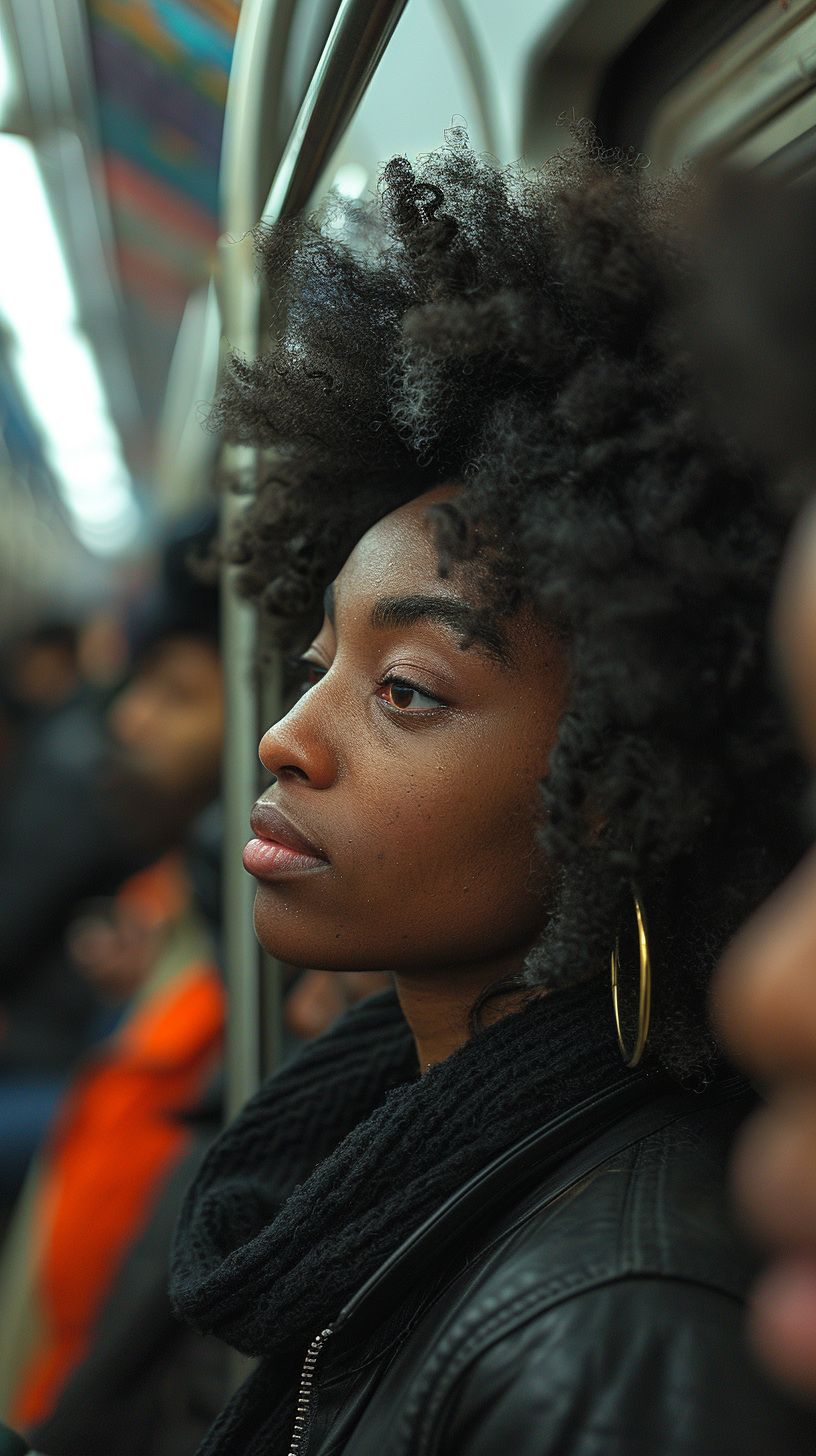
x=248 y=160
x=350 y=57
x=352 y=52
x=240 y=788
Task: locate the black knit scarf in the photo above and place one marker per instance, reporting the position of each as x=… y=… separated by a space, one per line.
x=340 y=1157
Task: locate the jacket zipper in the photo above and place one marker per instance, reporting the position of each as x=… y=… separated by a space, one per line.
x=305 y=1392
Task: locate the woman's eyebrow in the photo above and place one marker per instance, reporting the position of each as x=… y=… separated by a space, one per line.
x=406 y=611
x=459 y=616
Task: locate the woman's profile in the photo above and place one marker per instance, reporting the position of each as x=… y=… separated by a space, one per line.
x=539 y=740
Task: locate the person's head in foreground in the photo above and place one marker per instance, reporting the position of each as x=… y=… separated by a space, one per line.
x=540 y=702
x=757 y=337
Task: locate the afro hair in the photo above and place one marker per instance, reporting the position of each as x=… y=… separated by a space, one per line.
x=519 y=333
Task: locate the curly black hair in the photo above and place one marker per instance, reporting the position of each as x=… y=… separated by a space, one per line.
x=518 y=332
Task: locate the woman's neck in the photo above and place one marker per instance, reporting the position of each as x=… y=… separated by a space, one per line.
x=437 y=1004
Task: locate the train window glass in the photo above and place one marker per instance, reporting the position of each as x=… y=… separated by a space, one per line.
x=750 y=98
x=786 y=145
x=672 y=47
x=566 y=66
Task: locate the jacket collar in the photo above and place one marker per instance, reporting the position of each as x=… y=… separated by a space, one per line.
x=500 y=1186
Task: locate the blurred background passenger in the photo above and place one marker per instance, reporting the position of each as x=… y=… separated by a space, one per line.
x=149 y=1385
x=150 y=955
x=167 y=723
x=61 y=840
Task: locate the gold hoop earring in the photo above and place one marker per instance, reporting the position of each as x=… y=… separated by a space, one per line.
x=645 y=998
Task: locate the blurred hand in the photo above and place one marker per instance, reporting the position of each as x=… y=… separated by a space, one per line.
x=753 y=331
x=765 y=1007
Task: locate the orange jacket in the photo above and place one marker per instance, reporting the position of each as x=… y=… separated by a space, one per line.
x=115 y=1139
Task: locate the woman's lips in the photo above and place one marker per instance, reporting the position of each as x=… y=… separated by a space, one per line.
x=279 y=847
x=267 y=860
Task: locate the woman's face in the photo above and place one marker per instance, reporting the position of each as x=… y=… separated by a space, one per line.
x=400 y=833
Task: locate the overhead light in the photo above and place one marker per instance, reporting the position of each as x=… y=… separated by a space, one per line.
x=350 y=181
x=55 y=364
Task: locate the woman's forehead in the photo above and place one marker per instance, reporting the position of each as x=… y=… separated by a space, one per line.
x=397 y=555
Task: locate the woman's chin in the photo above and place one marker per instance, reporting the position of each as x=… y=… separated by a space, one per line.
x=287 y=935
x=279 y=941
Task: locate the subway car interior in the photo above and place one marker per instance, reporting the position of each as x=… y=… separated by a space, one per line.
x=142 y=142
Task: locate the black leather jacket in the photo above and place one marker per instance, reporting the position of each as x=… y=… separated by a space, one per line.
x=581 y=1296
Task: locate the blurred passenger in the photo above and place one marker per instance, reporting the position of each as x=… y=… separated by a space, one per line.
x=168 y=721
x=149 y=1385
x=102 y=650
x=42 y=670
x=60 y=841
x=150 y=956
x=758 y=336
x=118 y=1132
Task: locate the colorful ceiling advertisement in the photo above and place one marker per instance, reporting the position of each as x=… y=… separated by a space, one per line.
x=161 y=69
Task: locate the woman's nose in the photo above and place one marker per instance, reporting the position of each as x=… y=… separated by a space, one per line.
x=297 y=748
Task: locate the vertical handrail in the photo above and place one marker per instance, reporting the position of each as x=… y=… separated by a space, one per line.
x=240 y=949
x=247 y=164
x=354 y=49
x=352 y=52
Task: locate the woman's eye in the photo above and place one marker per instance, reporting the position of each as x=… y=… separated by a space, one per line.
x=405 y=697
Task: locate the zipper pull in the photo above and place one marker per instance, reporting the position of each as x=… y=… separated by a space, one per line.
x=305 y=1392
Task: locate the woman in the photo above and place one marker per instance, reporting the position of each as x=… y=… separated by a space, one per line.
x=539 y=736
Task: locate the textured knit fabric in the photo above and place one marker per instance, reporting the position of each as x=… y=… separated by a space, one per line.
x=340 y=1157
